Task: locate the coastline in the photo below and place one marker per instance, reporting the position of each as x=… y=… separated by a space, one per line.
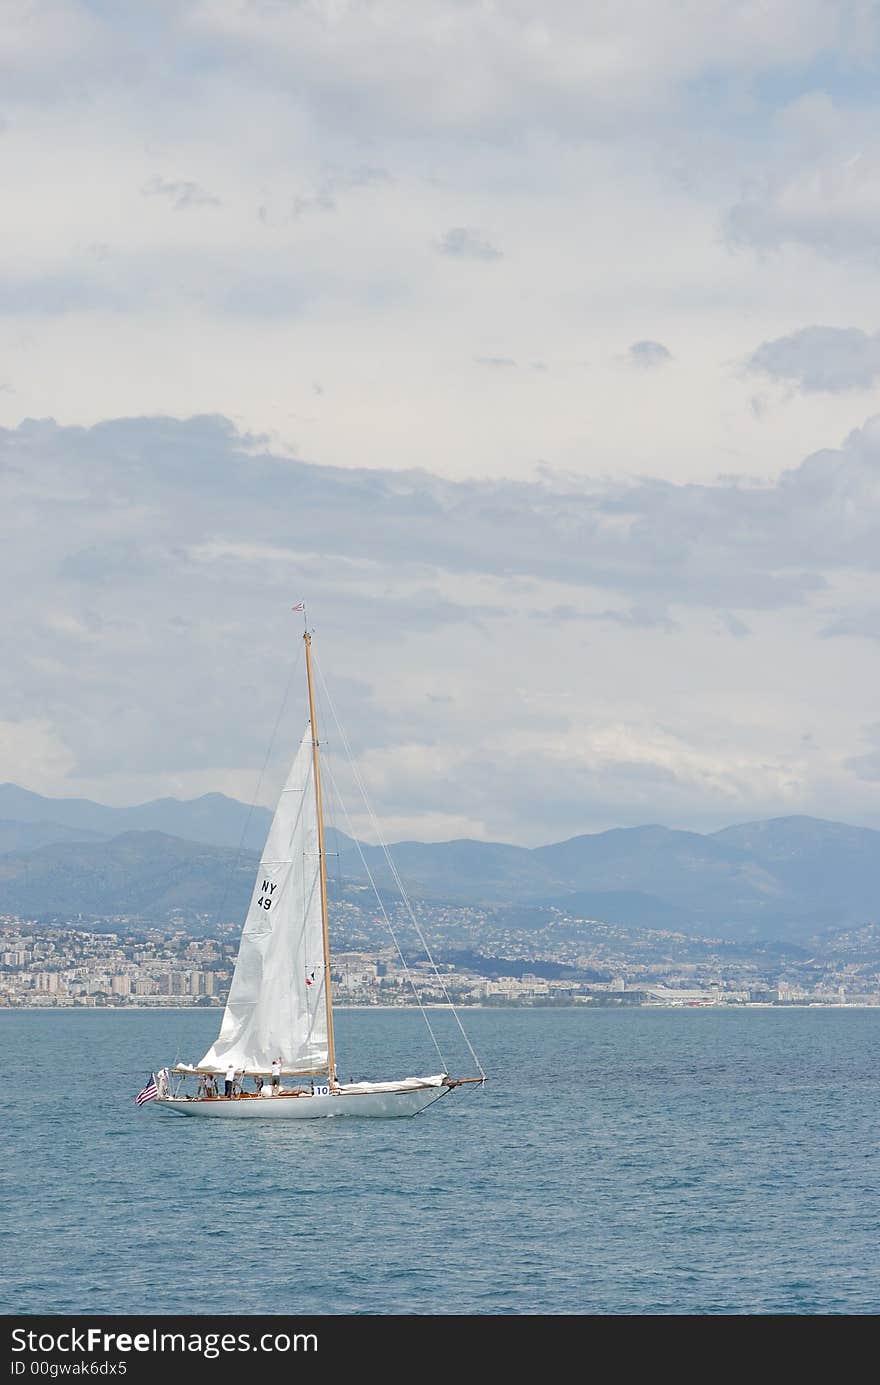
x=499 y=1009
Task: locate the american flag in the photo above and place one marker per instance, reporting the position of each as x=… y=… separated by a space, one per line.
x=150 y=1092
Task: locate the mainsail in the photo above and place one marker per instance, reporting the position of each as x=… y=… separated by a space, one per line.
x=276 y=1006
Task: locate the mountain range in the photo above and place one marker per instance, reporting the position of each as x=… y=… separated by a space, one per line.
x=28 y=819
x=785 y=878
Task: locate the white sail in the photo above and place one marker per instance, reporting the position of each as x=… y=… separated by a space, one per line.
x=276 y=1006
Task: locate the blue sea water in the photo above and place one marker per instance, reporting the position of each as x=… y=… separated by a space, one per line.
x=618 y=1162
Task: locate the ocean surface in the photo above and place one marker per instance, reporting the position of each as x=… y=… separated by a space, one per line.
x=618 y=1162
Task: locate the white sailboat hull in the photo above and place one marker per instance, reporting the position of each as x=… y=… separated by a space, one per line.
x=386 y=1102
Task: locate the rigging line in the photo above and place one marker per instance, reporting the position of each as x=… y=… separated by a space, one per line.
x=331 y=811
x=247 y=822
x=394 y=872
x=406 y=970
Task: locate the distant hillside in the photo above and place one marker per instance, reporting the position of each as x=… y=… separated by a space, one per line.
x=143 y=873
x=477 y=871
x=786 y=879
x=625 y=907
x=682 y=868
x=834 y=864
x=25 y=836
x=147 y=874
x=213 y=818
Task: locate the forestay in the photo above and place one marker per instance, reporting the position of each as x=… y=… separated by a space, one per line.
x=276 y=1006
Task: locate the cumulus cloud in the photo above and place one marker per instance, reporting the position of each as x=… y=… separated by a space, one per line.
x=502 y=68
x=765 y=547
x=733 y=625
x=43 y=35
x=463 y=243
x=58 y=295
x=566 y=166
x=859 y=624
x=647 y=355
x=821 y=359
x=867 y=766
x=636 y=616
x=333 y=184
x=152 y=647
x=831 y=205
x=814 y=185
x=640 y=618
x=562 y=191
x=181 y=195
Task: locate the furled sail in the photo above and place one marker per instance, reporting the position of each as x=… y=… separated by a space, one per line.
x=276 y=1006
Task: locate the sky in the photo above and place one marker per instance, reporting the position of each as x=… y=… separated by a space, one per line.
x=536 y=349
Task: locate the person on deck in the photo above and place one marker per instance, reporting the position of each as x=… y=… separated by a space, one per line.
x=230 y=1080
x=276 y=1075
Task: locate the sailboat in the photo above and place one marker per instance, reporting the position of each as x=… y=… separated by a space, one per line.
x=278 y=1021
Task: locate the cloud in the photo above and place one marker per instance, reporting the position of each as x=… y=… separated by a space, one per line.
x=32 y=753
x=335 y=183
x=322 y=200
x=463 y=243
x=58 y=295
x=568 y=166
x=647 y=355
x=832 y=207
x=635 y=617
x=43 y=35
x=152 y=648
x=503 y=70
x=859 y=624
x=867 y=766
x=182 y=195
x=821 y=359
x=732 y=625
x=768 y=546
x=730 y=544
x=814 y=184
x=580 y=175
x=640 y=618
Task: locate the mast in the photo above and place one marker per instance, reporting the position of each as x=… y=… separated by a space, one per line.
x=322 y=861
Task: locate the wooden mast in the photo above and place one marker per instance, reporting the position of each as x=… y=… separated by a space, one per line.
x=322 y=859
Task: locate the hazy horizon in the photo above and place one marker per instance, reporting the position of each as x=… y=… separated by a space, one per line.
x=369 y=837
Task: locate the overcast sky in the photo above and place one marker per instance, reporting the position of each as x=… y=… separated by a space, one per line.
x=537 y=348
